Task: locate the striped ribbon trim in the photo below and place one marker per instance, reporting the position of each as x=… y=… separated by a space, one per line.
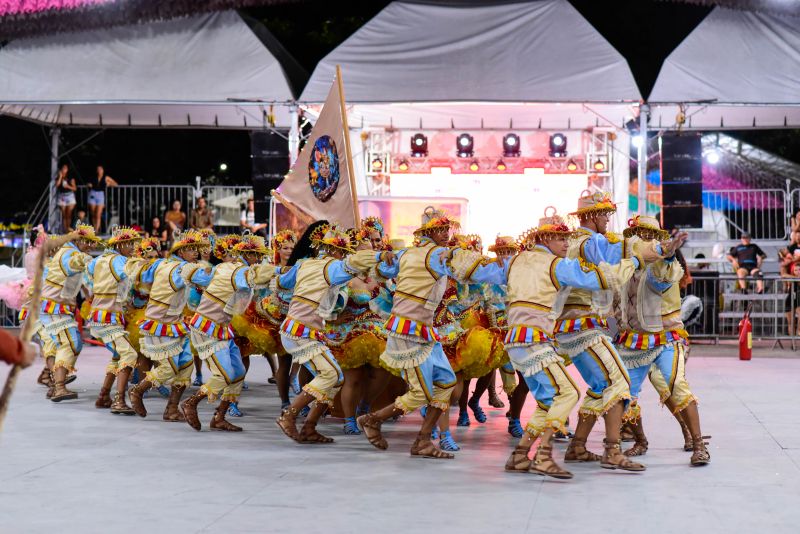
x=211 y=328
x=52 y=307
x=23 y=314
x=107 y=317
x=526 y=335
x=157 y=328
x=409 y=327
x=569 y=326
x=648 y=340
x=295 y=328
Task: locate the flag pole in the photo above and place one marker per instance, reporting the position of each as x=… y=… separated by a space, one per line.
x=348 y=152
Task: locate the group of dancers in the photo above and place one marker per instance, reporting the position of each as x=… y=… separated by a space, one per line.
x=353 y=311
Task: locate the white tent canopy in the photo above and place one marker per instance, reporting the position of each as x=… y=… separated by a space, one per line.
x=486 y=63
x=201 y=71
x=737 y=69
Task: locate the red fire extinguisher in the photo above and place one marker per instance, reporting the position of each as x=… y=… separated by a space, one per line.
x=746 y=336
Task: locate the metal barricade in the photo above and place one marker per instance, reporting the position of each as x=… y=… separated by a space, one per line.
x=759 y=212
x=227 y=203
x=8 y=316
x=130 y=205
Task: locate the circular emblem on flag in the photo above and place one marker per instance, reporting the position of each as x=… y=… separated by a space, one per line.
x=323 y=168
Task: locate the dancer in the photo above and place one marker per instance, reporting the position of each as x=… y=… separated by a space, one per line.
x=228 y=293
x=652 y=338
x=63 y=279
x=581 y=333
x=317 y=283
x=165 y=339
x=195 y=291
x=110 y=278
x=537 y=282
x=422 y=273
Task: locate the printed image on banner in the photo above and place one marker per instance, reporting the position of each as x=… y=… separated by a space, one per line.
x=323 y=168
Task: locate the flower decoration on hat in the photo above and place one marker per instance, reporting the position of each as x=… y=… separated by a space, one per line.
x=504 y=243
x=599 y=202
x=469 y=242
x=147 y=245
x=123 y=234
x=251 y=244
x=552 y=225
x=85 y=232
x=191 y=239
x=331 y=237
x=433 y=219
x=646 y=227
x=223 y=245
x=372 y=224
x=279 y=239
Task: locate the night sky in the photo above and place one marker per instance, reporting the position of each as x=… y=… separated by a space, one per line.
x=643 y=31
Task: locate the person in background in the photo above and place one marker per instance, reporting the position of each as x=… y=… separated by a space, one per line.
x=65 y=196
x=202 y=217
x=14 y=351
x=97 y=196
x=80 y=218
x=791 y=270
x=746 y=259
x=175 y=218
x=159 y=232
x=248 y=219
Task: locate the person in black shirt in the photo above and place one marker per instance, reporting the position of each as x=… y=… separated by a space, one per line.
x=747 y=258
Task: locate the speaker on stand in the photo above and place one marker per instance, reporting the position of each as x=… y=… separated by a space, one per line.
x=269 y=153
x=681 y=181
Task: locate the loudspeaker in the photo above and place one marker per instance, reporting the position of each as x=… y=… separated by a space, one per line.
x=681 y=181
x=269 y=154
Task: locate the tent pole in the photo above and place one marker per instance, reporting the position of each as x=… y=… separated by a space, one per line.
x=294 y=135
x=53 y=214
x=644 y=112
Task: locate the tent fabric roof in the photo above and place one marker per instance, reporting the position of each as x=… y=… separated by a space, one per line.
x=535 y=51
x=741 y=69
x=218 y=73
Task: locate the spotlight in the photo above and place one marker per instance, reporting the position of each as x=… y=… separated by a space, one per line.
x=712 y=157
x=572 y=166
x=558 y=145
x=501 y=165
x=419 y=146
x=377 y=165
x=403 y=165
x=465 y=146
x=223 y=167
x=599 y=165
x=637 y=141
x=474 y=165
x=511 y=146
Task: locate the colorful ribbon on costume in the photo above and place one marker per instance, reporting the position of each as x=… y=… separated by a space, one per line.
x=106 y=317
x=295 y=328
x=409 y=327
x=647 y=340
x=569 y=326
x=211 y=328
x=52 y=307
x=157 y=328
x=23 y=314
x=526 y=335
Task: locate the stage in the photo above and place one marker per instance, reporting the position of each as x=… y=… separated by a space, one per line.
x=72 y=468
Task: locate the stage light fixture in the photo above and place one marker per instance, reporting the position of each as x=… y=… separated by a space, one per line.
x=501 y=166
x=223 y=167
x=558 y=145
x=637 y=141
x=403 y=165
x=419 y=146
x=474 y=165
x=465 y=145
x=572 y=166
x=377 y=165
x=599 y=165
x=712 y=157
x=511 y=148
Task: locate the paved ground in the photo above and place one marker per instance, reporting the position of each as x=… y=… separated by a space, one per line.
x=71 y=468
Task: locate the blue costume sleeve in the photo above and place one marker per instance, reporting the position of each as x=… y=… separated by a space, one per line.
x=391 y=271
x=201 y=277
x=335 y=273
x=176 y=280
x=569 y=272
x=288 y=279
x=147 y=275
x=91 y=266
x=240 y=278
x=65 y=262
x=598 y=249
x=491 y=273
x=118 y=267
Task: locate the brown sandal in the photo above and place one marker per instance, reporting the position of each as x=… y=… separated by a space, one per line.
x=309 y=435
x=578 y=453
x=543 y=464
x=518 y=462
x=424 y=448
x=44 y=377
x=189 y=407
x=614 y=459
x=371 y=426
x=289 y=427
x=700 y=456
x=639 y=448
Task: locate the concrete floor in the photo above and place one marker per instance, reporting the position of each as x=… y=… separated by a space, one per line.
x=71 y=468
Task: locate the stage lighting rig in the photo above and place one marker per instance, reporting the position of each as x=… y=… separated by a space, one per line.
x=572 y=166
x=474 y=166
x=501 y=166
x=558 y=145
x=419 y=146
x=511 y=146
x=465 y=146
x=377 y=165
x=403 y=166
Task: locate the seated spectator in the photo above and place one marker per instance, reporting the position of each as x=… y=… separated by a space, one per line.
x=158 y=231
x=80 y=217
x=202 y=217
x=14 y=352
x=248 y=219
x=175 y=218
x=701 y=266
x=746 y=259
x=792 y=306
